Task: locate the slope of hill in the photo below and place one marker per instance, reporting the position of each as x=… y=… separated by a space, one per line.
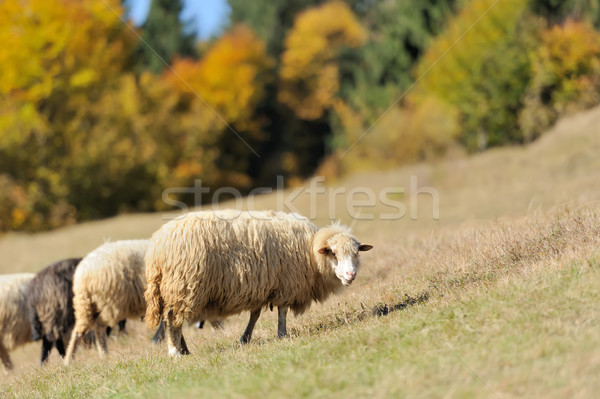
x=496 y=298
x=563 y=167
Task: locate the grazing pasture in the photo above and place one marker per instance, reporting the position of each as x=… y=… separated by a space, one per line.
x=497 y=298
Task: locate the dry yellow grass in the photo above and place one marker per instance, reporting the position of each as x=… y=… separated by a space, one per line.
x=563 y=167
x=496 y=298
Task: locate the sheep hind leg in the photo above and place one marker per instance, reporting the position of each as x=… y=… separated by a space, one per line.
x=73 y=344
x=5 y=358
x=101 y=343
x=184 y=348
x=247 y=335
x=46 y=348
x=60 y=347
x=281 y=321
x=175 y=341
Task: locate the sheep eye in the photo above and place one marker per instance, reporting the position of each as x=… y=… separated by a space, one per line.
x=334 y=255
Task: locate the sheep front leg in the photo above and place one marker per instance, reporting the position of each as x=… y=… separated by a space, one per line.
x=5 y=359
x=281 y=327
x=250 y=327
x=101 y=344
x=160 y=333
x=46 y=348
x=217 y=324
x=122 y=325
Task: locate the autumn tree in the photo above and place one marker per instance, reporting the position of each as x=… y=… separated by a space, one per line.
x=225 y=87
x=270 y=19
x=369 y=77
x=309 y=73
x=379 y=72
x=307 y=83
x=565 y=76
x=55 y=63
x=481 y=65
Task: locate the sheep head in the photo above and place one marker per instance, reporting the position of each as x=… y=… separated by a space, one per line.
x=339 y=249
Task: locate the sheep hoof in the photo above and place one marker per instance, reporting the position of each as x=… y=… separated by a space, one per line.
x=174 y=353
x=244 y=340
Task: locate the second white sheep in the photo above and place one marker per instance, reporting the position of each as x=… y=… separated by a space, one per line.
x=108 y=286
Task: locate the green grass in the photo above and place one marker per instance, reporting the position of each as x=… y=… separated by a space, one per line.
x=528 y=337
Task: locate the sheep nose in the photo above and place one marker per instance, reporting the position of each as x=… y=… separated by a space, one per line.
x=350 y=275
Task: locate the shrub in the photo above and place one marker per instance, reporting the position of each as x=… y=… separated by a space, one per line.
x=566 y=76
x=405 y=134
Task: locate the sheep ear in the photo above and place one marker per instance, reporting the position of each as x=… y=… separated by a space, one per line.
x=365 y=247
x=324 y=250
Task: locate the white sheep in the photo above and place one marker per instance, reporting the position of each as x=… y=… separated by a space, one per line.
x=14 y=321
x=210 y=265
x=108 y=286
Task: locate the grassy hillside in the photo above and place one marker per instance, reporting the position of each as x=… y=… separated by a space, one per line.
x=562 y=168
x=497 y=298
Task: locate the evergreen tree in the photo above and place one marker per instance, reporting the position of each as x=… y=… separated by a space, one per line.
x=270 y=19
x=164 y=34
x=376 y=74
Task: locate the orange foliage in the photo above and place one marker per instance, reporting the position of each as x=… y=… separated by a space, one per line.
x=230 y=77
x=568 y=57
x=309 y=74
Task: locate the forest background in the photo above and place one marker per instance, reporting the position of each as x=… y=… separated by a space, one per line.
x=98 y=117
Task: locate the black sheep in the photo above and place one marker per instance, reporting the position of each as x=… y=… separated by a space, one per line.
x=50 y=303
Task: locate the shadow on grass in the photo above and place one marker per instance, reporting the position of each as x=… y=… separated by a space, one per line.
x=385 y=309
x=351 y=317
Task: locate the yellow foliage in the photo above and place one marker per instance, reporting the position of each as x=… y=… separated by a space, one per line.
x=455 y=55
x=81 y=137
x=230 y=79
x=480 y=64
x=309 y=75
x=55 y=44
